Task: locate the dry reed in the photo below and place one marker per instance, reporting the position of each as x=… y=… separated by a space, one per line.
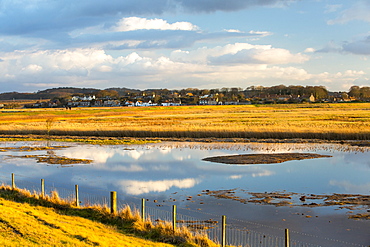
x=319 y=121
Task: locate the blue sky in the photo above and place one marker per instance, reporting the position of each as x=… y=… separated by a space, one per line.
x=183 y=43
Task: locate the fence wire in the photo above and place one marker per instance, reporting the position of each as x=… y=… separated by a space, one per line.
x=237 y=232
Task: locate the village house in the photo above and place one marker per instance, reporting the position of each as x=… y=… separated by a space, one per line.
x=170 y=104
x=139 y=103
x=231 y=102
x=312 y=98
x=129 y=103
x=84 y=98
x=84 y=103
x=208 y=100
x=97 y=103
x=111 y=103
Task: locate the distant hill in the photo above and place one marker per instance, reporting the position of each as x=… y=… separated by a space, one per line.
x=267 y=94
x=48 y=93
x=62 y=92
x=124 y=91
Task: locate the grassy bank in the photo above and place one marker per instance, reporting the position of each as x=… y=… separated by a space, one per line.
x=350 y=121
x=28 y=220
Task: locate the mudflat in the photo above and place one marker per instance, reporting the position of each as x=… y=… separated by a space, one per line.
x=267 y=158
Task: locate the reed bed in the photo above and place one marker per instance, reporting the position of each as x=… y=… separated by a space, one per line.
x=306 y=121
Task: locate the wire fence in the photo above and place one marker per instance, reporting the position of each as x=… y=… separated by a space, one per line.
x=237 y=233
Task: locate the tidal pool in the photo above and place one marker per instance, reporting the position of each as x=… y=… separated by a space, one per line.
x=174 y=173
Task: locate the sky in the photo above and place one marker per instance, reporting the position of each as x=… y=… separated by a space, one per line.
x=176 y=44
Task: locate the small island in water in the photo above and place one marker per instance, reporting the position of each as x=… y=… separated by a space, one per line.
x=266 y=158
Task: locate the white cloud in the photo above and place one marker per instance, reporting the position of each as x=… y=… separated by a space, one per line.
x=262 y=33
x=359 y=47
x=309 y=50
x=53 y=67
x=359 y=11
x=233 y=31
x=279 y=56
x=352 y=73
x=55 y=18
x=331 y=47
x=32 y=68
x=341 y=80
x=232 y=5
x=137 y=23
x=105 y=68
x=142 y=33
x=135 y=187
x=330 y=8
x=127 y=43
x=203 y=67
x=240 y=53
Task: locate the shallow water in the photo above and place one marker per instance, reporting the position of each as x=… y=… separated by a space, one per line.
x=171 y=172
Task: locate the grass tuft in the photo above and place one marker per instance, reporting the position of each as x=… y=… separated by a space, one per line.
x=126 y=220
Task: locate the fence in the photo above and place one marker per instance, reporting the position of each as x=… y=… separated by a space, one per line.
x=235 y=233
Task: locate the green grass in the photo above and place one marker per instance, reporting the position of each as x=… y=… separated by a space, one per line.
x=30 y=220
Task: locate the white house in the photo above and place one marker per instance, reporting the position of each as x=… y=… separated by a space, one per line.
x=312 y=98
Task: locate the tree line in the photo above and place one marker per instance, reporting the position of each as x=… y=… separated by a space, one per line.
x=254 y=94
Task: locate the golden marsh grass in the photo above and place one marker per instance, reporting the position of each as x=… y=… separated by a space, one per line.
x=309 y=121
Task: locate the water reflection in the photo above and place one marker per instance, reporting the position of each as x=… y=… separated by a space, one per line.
x=349 y=187
x=173 y=171
x=164 y=168
x=136 y=187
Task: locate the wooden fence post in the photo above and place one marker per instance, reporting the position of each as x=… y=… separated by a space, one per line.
x=223 y=231
x=287 y=238
x=42 y=188
x=174 y=217
x=13 y=182
x=77 y=197
x=113 y=202
x=143 y=209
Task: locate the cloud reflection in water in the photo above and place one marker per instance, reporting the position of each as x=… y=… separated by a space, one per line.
x=167 y=167
x=135 y=187
x=350 y=187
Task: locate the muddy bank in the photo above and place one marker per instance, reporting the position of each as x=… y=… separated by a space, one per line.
x=350 y=202
x=53 y=159
x=49 y=158
x=360 y=143
x=266 y=158
x=30 y=149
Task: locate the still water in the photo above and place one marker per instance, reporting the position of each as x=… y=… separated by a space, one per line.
x=175 y=172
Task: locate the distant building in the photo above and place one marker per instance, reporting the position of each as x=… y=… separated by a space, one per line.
x=111 y=103
x=312 y=98
x=208 y=101
x=84 y=98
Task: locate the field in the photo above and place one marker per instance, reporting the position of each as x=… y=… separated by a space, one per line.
x=347 y=121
